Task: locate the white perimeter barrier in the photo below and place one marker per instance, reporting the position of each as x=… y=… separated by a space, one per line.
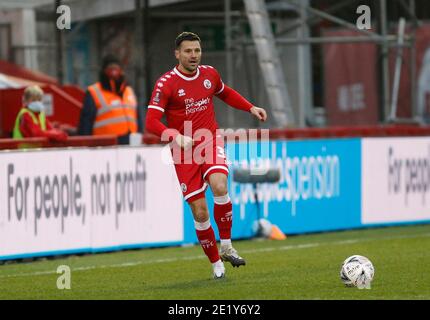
x=395 y=180
x=80 y=200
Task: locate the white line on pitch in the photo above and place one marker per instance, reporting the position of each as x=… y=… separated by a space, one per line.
x=166 y=260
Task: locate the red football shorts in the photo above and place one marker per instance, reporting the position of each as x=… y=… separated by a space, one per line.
x=194 y=166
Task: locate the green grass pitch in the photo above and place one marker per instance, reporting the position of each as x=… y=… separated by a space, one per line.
x=300 y=267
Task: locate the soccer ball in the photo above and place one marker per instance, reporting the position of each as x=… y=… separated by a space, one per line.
x=357 y=271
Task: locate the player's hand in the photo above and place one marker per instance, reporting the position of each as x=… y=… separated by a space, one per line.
x=184 y=142
x=259 y=113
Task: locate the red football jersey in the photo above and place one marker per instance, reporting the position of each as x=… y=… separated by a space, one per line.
x=188 y=98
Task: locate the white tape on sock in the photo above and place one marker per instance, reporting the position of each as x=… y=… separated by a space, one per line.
x=201 y=226
x=222 y=199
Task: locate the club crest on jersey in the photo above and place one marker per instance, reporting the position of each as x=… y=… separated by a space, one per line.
x=183 y=187
x=181 y=92
x=207 y=84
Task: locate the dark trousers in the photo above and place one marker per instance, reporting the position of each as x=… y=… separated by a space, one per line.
x=124 y=139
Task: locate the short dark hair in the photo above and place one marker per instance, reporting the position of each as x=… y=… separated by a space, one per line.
x=189 y=36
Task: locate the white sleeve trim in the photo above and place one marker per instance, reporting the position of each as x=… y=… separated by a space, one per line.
x=155 y=107
x=222 y=88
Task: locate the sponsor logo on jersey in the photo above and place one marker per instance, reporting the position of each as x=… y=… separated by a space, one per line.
x=157 y=97
x=207 y=84
x=192 y=106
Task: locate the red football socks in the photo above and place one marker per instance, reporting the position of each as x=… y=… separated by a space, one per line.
x=207 y=240
x=223 y=216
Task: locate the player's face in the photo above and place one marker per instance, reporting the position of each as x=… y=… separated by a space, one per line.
x=189 y=54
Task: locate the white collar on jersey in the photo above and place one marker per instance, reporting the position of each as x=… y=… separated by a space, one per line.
x=185 y=77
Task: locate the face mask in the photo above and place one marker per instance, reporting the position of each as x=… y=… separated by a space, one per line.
x=114 y=72
x=36 y=106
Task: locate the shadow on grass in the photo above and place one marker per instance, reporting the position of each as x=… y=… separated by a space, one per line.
x=202 y=283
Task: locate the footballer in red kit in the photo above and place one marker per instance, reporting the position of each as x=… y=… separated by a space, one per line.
x=185 y=96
